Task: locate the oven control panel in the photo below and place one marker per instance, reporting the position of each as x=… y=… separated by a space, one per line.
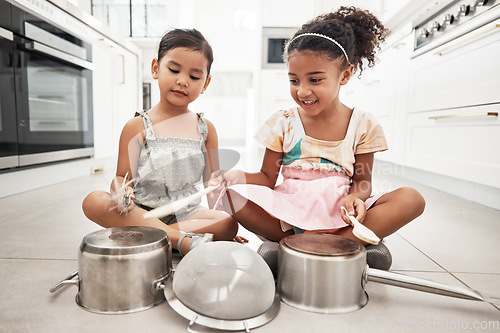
x=445 y=17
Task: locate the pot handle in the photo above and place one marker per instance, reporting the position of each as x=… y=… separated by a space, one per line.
x=159 y=284
x=66 y=281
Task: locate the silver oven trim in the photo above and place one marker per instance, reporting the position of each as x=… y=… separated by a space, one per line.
x=60 y=155
x=37 y=34
x=9 y=162
x=35 y=46
x=6 y=34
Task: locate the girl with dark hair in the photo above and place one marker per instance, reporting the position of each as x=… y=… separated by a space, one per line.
x=164 y=152
x=324 y=148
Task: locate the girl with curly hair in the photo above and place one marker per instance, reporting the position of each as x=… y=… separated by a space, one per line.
x=325 y=149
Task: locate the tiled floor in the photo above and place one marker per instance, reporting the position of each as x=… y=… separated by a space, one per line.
x=454 y=241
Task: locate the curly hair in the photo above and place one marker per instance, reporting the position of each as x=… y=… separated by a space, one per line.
x=357 y=30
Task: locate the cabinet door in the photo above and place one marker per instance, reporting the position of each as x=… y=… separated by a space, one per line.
x=127 y=86
x=461 y=143
x=382 y=91
x=463 y=72
x=105 y=130
x=116 y=95
x=274 y=94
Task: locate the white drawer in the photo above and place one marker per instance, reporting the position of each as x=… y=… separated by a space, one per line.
x=463 y=72
x=462 y=143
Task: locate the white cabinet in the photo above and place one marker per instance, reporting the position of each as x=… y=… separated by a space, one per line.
x=453 y=126
x=273 y=95
x=286 y=13
x=382 y=91
x=116 y=83
x=461 y=143
x=459 y=73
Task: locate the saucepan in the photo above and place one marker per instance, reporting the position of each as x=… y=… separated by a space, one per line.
x=326 y=273
x=118 y=269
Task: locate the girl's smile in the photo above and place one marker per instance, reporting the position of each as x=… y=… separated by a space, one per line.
x=315 y=81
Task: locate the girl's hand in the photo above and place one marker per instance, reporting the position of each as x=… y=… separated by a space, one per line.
x=123 y=200
x=355 y=207
x=225 y=178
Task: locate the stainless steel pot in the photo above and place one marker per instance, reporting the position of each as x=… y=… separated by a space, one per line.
x=119 y=268
x=320 y=275
x=327 y=274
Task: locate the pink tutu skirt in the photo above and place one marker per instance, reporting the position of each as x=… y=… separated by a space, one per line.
x=307 y=199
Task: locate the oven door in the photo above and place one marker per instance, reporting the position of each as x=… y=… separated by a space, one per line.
x=54 y=104
x=8 y=130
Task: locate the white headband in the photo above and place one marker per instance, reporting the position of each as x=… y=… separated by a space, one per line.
x=322 y=36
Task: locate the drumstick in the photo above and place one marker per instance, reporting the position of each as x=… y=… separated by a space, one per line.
x=172 y=207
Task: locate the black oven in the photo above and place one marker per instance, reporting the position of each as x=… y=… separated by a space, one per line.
x=8 y=128
x=53 y=92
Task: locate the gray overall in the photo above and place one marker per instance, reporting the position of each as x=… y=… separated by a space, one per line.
x=168 y=170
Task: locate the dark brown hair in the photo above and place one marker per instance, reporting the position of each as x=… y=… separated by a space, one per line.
x=188 y=38
x=357 y=30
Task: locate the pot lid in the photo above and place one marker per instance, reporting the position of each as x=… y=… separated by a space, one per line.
x=124 y=240
x=322 y=244
x=223 y=285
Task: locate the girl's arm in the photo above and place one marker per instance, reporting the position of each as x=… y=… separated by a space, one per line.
x=269 y=170
x=211 y=158
x=361 y=187
x=128 y=154
x=267 y=175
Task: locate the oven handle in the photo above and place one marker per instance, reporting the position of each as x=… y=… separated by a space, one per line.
x=471 y=115
x=6 y=34
x=481 y=33
x=38 y=47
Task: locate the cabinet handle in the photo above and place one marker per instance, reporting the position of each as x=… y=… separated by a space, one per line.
x=107 y=41
x=373 y=82
x=473 y=36
x=122 y=57
x=400 y=45
x=469 y=115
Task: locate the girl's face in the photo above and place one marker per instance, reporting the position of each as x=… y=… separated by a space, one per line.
x=182 y=75
x=315 y=81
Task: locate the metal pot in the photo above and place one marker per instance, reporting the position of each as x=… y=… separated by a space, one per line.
x=118 y=269
x=326 y=273
x=320 y=274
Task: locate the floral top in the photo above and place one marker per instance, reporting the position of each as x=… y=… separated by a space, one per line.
x=284 y=132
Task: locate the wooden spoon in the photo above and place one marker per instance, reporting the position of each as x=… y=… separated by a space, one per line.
x=361 y=231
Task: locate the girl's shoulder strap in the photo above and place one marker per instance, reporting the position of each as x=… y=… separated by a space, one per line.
x=202 y=126
x=148 y=125
x=356 y=116
x=298 y=127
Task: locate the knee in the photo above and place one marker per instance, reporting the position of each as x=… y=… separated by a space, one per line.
x=89 y=205
x=232 y=228
x=413 y=201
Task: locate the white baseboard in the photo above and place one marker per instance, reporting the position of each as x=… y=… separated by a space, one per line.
x=18 y=181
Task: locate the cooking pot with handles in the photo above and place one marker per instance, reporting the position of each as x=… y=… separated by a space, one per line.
x=118 y=269
x=327 y=273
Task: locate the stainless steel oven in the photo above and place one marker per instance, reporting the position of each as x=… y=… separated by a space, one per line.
x=8 y=129
x=53 y=92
